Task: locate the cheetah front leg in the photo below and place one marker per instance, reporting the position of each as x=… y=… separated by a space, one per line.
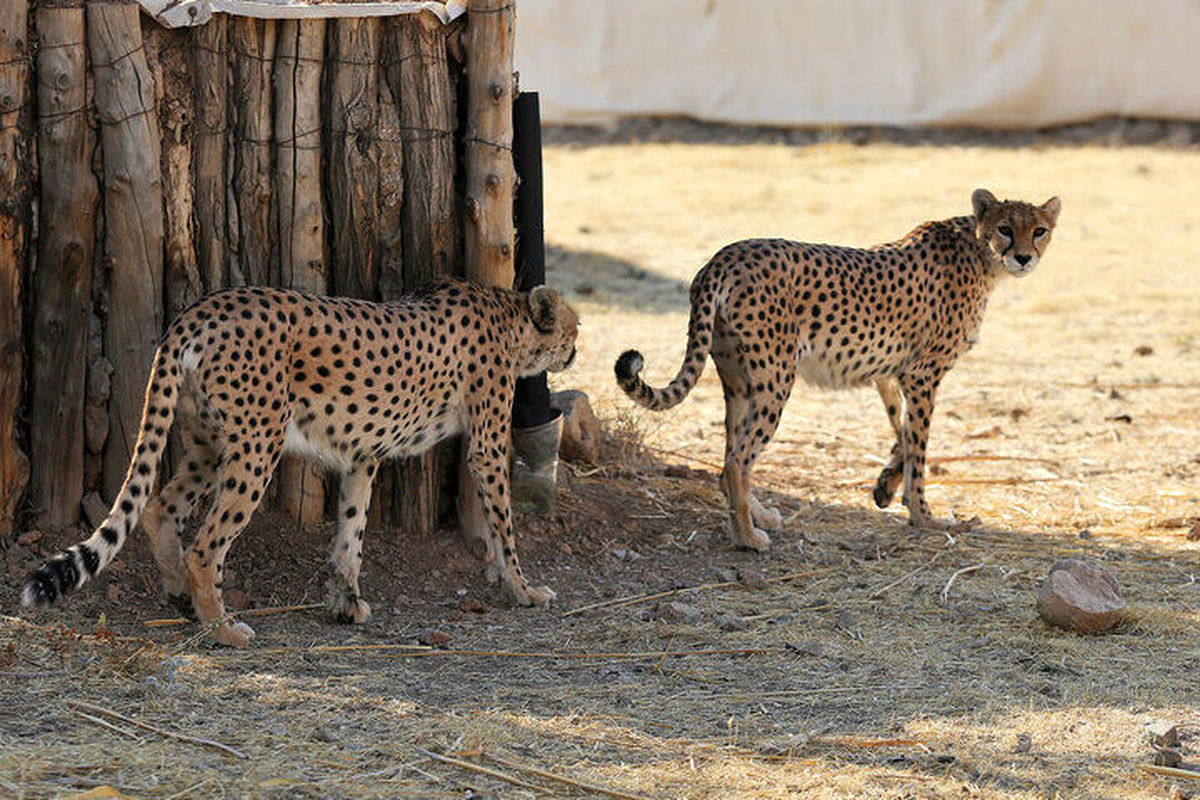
x=892 y=474
x=343 y=601
x=487 y=461
x=919 y=390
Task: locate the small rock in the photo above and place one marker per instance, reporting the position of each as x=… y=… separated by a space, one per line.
x=730 y=622
x=113 y=593
x=29 y=538
x=1163 y=733
x=1082 y=596
x=581 y=433
x=1168 y=757
x=751 y=578
x=461 y=592
x=473 y=606
x=94 y=510
x=626 y=553
x=725 y=574
x=808 y=647
x=325 y=733
x=1024 y=742
x=846 y=621
x=1143 y=350
x=679 y=612
x=434 y=638
x=565 y=549
x=236 y=599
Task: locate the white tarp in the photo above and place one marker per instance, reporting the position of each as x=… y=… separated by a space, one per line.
x=1010 y=63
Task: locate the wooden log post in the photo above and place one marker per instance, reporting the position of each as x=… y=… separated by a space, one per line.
x=209 y=76
x=491 y=178
x=489 y=237
x=252 y=221
x=167 y=53
x=298 y=57
x=352 y=155
x=15 y=187
x=62 y=291
x=421 y=88
x=133 y=214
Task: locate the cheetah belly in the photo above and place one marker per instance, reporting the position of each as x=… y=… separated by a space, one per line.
x=297 y=442
x=821 y=369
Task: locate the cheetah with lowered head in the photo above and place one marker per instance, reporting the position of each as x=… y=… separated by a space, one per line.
x=897 y=315
x=250 y=373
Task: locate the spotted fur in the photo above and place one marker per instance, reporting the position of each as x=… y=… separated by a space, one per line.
x=897 y=315
x=251 y=373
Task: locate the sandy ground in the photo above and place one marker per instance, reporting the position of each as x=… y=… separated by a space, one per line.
x=845 y=662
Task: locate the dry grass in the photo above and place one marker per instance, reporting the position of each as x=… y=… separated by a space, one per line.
x=863 y=680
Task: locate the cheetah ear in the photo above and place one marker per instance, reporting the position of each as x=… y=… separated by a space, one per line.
x=543 y=308
x=981 y=201
x=1051 y=208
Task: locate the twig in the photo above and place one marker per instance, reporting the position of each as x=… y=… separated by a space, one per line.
x=554 y=776
x=479 y=768
x=1174 y=772
x=106 y=724
x=249 y=612
x=880 y=592
x=820 y=690
x=331 y=648
x=658 y=654
x=170 y=734
x=964 y=571
x=642 y=598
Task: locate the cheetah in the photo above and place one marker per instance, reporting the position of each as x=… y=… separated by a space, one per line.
x=250 y=373
x=896 y=315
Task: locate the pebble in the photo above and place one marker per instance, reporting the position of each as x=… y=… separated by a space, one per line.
x=1081 y=596
x=730 y=622
x=679 y=612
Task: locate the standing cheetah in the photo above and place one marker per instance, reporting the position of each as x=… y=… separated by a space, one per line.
x=897 y=315
x=250 y=373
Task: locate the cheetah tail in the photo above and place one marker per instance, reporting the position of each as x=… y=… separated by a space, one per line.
x=700 y=330
x=72 y=568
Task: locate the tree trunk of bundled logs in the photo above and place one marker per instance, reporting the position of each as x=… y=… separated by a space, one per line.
x=421 y=88
x=133 y=231
x=251 y=218
x=491 y=177
x=62 y=291
x=15 y=181
x=298 y=58
x=209 y=127
x=352 y=155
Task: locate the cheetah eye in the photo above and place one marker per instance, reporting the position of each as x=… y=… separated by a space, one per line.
x=1039 y=231
x=1005 y=231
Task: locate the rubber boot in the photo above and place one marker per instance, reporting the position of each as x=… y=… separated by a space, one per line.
x=535 y=467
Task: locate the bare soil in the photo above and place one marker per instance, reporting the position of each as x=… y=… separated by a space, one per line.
x=857 y=658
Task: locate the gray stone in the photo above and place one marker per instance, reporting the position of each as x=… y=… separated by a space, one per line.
x=730 y=622
x=679 y=612
x=581 y=434
x=1082 y=596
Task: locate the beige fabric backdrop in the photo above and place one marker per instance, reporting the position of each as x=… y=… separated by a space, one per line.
x=1009 y=63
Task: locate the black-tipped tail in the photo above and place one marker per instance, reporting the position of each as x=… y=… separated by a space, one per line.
x=628 y=366
x=60 y=575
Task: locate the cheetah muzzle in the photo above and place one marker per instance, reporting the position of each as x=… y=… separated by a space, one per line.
x=896 y=315
x=253 y=372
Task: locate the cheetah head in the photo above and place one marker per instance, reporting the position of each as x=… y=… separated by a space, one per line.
x=550 y=340
x=1016 y=233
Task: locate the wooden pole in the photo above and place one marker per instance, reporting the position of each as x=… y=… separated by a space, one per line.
x=167 y=52
x=298 y=57
x=421 y=89
x=62 y=292
x=133 y=219
x=251 y=216
x=15 y=183
x=210 y=70
x=352 y=155
x=491 y=178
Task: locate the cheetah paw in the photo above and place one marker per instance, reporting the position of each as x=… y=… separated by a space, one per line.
x=238 y=634
x=766 y=517
x=756 y=540
x=539 y=596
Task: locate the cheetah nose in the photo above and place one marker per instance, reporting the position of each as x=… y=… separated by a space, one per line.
x=1022 y=258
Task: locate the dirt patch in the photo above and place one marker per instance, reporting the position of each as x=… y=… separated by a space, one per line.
x=845 y=662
